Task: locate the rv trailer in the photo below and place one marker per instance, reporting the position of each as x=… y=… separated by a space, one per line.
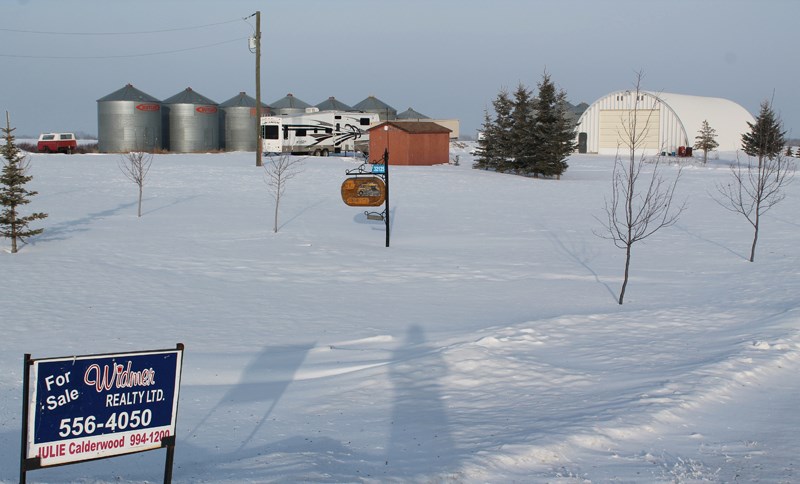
x=317 y=133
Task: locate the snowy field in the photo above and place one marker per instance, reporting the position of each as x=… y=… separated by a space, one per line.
x=485 y=345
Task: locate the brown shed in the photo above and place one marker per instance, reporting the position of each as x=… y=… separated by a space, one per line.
x=410 y=142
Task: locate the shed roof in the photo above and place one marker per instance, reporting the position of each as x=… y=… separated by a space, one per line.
x=333 y=104
x=289 y=101
x=411 y=114
x=414 y=127
x=129 y=93
x=188 y=96
x=241 y=100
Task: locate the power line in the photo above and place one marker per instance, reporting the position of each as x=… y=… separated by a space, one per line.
x=122 y=56
x=177 y=29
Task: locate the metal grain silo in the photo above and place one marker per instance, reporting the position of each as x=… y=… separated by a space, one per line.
x=374 y=105
x=193 y=122
x=128 y=120
x=238 y=121
x=289 y=105
x=333 y=104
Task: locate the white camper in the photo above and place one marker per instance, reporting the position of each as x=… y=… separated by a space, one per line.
x=271 y=134
x=318 y=133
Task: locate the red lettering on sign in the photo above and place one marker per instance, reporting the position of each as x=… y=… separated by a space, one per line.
x=206 y=109
x=148 y=107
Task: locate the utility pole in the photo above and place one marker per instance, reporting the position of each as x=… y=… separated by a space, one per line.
x=258 y=88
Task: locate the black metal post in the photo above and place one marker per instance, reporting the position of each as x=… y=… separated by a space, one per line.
x=386 y=169
x=26 y=378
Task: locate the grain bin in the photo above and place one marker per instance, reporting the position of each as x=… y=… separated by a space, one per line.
x=289 y=105
x=333 y=104
x=238 y=121
x=129 y=120
x=374 y=105
x=192 y=122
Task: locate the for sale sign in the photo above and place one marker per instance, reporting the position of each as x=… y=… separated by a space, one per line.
x=94 y=406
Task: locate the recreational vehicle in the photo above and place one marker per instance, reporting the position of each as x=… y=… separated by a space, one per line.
x=317 y=133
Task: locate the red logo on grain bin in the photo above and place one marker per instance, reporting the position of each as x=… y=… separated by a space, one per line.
x=206 y=109
x=148 y=107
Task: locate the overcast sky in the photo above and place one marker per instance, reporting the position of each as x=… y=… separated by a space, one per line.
x=444 y=58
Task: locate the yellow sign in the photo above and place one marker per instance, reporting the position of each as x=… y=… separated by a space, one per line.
x=364 y=191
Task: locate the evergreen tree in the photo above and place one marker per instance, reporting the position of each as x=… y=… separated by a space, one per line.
x=553 y=135
x=487 y=145
x=706 y=139
x=13 y=193
x=789 y=151
x=503 y=108
x=523 y=150
x=766 y=138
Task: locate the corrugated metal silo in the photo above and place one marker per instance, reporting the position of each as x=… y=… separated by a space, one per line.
x=193 y=121
x=333 y=104
x=374 y=105
x=128 y=120
x=238 y=121
x=289 y=105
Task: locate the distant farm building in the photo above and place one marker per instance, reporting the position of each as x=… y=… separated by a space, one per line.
x=289 y=105
x=129 y=120
x=192 y=121
x=412 y=115
x=238 y=123
x=333 y=104
x=668 y=121
x=374 y=105
x=410 y=142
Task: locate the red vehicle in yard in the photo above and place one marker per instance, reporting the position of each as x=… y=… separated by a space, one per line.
x=56 y=143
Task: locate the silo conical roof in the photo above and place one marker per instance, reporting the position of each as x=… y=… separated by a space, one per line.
x=289 y=102
x=411 y=114
x=129 y=93
x=242 y=100
x=333 y=104
x=188 y=96
x=371 y=103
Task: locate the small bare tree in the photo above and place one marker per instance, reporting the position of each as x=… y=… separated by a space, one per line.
x=755 y=188
x=277 y=171
x=641 y=203
x=135 y=166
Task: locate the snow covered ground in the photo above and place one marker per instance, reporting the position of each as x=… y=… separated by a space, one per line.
x=485 y=345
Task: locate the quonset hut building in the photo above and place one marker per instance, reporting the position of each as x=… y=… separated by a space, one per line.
x=669 y=121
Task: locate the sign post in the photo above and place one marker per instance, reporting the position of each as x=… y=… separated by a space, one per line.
x=83 y=408
x=369 y=189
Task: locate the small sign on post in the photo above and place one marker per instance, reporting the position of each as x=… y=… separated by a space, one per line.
x=363 y=191
x=90 y=407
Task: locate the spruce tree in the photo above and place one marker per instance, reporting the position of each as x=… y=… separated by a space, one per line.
x=706 y=139
x=504 y=150
x=13 y=193
x=553 y=136
x=789 y=151
x=766 y=138
x=523 y=149
x=487 y=145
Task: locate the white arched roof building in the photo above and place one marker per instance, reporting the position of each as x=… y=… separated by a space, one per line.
x=668 y=120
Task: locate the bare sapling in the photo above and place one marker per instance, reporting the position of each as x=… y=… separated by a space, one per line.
x=135 y=166
x=642 y=200
x=278 y=170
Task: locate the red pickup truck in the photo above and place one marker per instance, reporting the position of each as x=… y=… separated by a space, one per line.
x=56 y=143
